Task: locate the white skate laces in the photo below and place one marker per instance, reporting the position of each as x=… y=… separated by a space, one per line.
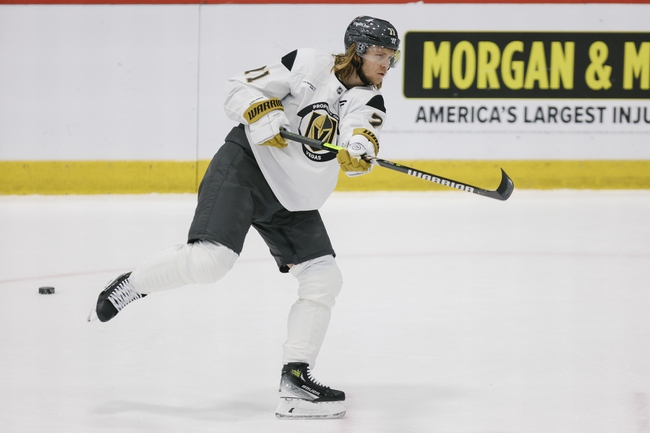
x=313 y=380
x=123 y=295
x=117 y=295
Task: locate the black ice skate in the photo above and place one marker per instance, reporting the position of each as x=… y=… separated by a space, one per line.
x=117 y=295
x=302 y=397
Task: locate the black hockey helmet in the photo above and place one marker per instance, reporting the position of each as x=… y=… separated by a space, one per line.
x=366 y=31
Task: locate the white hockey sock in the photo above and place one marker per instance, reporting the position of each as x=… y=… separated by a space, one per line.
x=319 y=283
x=180 y=265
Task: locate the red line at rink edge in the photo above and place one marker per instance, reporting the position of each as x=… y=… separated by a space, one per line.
x=365 y=256
x=263 y=2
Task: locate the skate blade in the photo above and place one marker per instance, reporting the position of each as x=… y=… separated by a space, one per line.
x=293 y=408
x=92 y=316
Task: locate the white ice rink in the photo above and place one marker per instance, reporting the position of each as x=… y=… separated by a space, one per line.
x=459 y=314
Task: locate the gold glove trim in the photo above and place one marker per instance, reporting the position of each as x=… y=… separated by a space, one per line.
x=259 y=109
x=369 y=135
x=348 y=163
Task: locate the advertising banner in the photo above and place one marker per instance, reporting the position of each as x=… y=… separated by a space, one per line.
x=477 y=82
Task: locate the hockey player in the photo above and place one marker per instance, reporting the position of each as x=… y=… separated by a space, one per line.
x=259 y=179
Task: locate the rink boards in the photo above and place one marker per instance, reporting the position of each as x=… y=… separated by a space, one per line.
x=128 y=97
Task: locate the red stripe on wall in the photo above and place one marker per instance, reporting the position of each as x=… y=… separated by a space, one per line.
x=139 y=2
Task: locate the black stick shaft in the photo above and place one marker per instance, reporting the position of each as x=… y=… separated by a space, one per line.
x=503 y=191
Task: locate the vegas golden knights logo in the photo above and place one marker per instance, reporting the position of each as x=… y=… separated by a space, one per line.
x=318 y=122
x=321 y=127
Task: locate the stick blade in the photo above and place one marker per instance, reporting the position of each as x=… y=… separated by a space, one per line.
x=505 y=189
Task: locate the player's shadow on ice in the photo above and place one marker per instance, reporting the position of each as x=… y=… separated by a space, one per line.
x=217 y=411
x=364 y=403
x=404 y=399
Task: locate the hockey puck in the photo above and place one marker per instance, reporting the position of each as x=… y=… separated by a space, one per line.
x=46 y=290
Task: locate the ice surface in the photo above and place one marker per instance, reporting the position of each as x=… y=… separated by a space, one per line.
x=459 y=314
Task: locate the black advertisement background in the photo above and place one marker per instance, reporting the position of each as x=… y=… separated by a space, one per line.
x=413 y=64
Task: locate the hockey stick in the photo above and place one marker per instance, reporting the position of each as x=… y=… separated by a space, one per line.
x=502 y=192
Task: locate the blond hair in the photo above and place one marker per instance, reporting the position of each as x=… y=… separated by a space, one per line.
x=346 y=65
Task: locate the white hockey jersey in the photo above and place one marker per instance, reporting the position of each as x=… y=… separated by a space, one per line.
x=317 y=105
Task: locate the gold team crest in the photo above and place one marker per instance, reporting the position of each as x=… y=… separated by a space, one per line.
x=320 y=123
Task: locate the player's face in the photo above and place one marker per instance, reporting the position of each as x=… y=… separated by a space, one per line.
x=377 y=62
x=382 y=55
